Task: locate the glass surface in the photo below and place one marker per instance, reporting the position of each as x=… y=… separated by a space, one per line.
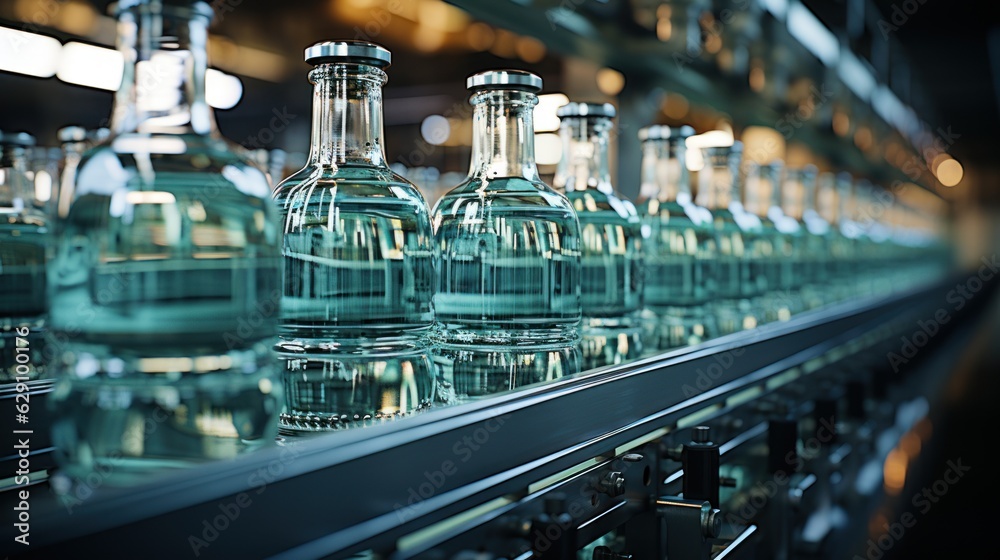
x=164 y=281
x=359 y=267
x=774 y=245
x=329 y=391
x=815 y=244
x=611 y=276
x=24 y=233
x=510 y=245
x=718 y=190
x=679 y=252
x=471 y=372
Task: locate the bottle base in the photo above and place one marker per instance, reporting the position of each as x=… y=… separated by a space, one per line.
x=479 y=371
x=331 y=390
x=511 y=334
x=124 y=417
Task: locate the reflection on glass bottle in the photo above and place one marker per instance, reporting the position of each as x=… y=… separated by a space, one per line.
x=338 y=391
x=43 y=172
x=680 y=248
x=718 y=191
x=510 y=245
x=508 y=298
x=164 y=282
x=875 y=248
x=773 y=246
x=611 y=275
x=358 y=252
x=472 y=371
x=798 y=196
x=24 y=231
x=835 y=203
x=818 y=243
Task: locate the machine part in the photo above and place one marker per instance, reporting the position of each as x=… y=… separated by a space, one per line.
x=701 y=467
x=684 y=519
x=613 y=484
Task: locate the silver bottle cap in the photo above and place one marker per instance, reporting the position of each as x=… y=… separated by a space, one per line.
x=664 y=132
x=358 y=52
x=16 y=139
x=586 y=110
x=71 y=134
x=504 y=79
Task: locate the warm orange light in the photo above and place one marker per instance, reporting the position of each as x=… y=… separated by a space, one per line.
x=894 y=472
x=664 y=28
x=675 y=106
x=713 y=44
x=841 y=123
x=863 y=138
x=950 y=172
x=610 y=81
x=504 y=45
x=910 y=444
x=480 y=36
x=757 y=80
x=530 y=49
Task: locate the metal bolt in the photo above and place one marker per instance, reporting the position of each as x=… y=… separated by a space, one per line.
x=613 y=484
x=632 y=458
x=701 y=434
x=711 y=521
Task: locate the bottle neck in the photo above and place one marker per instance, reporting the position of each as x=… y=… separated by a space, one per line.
x=718 y=180
x=585 y=162
x=761 y=192
x=792 y=196
x=347 y=115
x=163 y=82
x=664 y=171
x=503 y=136
x=826 y=198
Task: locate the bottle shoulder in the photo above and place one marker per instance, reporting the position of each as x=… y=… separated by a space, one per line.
x=504 y=193
x=655 y=211
x=597 y=205
x=200 y=166
x=346 y=183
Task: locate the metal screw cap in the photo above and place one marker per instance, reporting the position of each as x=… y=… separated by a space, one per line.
x=586 y=110
x=358 y=52
x=520 y=80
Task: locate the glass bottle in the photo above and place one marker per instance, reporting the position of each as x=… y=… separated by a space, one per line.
x=680 y=250
x=611 y=276
x=845 y=250
x=508 y=298
x=164 y=280
x=719 y=192
x=24 y=232
x=820 y=238
x=862 y=217
x=359 y=258
x=798 y=195
x=775 y=246
x=510 y=245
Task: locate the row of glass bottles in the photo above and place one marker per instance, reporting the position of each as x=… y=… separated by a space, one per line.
x=169 y=265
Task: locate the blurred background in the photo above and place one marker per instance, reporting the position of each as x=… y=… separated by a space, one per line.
x=903 y=93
